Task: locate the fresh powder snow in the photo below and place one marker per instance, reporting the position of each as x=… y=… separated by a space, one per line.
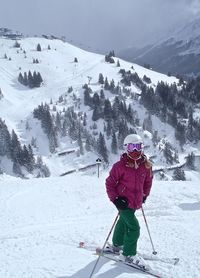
x=43 y=221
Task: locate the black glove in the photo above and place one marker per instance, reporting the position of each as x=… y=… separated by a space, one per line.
x=121 y=203
x=144 y=199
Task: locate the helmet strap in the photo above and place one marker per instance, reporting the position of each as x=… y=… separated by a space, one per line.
x=136 y=165
x=133 y=158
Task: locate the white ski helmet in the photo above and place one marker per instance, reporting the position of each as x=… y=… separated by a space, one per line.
x=133 y=138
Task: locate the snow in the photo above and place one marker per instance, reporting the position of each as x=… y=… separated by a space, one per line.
x=43 y=221
x=58 y=71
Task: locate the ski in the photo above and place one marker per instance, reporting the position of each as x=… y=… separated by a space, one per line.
x=134 y=266
x=151 y=257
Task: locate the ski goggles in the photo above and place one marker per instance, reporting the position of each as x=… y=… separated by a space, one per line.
x=134 y=147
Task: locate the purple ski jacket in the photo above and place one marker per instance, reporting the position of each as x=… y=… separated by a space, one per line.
x=130 y=180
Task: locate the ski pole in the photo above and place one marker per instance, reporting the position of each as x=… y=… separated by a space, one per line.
x=145 y=220
x=93 y=270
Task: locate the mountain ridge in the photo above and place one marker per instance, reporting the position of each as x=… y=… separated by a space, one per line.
x=176 y=54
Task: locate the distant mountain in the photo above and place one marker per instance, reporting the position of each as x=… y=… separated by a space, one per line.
x=130 y=53
x=178 y=54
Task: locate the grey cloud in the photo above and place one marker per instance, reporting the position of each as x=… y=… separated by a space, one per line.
x=100 y=24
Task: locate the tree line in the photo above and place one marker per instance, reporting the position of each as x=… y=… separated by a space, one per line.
x=20 y=155
x=31 y=80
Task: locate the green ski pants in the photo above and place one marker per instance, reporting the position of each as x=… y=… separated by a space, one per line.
x=127 y=232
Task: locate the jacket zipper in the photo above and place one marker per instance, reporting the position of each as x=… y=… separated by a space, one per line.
x=123 y=189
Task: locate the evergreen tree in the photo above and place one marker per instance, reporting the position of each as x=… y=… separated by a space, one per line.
x=5 y=140
x=172 y=118
x=118 y=63
x=52 y=141
x=109 y=129
x=180 y=133
x=114 y=144
x=155 y=139
x=97 y=113
x=109 y=59
x=27 y=158
x=190 y=130
x=20 y=78
x=101 y=148
x=39 y=79
x=146 y=79
x=58 y=124
x=179 y=174
x=1 y=171
x=31 y=156
x=101 y=78
x=1 y=94
x=112 y=53
x=107 y=110
x=17 y=169
x=106 y=84
x=87 y=145
x=115 y=109
x=112 y=86
x=43 y=169
x=87 y=97
x=190 y=161
x=102 y=97
x=25 y=79
x=84 y=119
x=30 y=80
x=39 y=47
x=17 y=44
x=64 y=128
x=80 y=143
x=123 y=132
x=168 y=153
x=96 y=100
x=16 y=150
x=163 y=115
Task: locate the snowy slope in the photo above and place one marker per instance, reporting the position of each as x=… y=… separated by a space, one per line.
x=59 y=72
x=42 y=223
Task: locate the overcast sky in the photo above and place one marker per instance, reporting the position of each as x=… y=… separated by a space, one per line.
x=98 y=24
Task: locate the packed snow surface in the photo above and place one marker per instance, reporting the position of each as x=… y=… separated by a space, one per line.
x=43 y=220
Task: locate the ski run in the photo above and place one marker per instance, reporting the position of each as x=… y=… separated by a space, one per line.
x=43 y=221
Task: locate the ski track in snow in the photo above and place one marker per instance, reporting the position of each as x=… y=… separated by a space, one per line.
x=43 y=221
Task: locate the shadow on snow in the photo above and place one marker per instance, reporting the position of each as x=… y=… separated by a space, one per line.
x=114 y=271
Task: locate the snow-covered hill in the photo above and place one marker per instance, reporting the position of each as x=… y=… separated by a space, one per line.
x=42 y=223
x=58 y=70
x=59 y=73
